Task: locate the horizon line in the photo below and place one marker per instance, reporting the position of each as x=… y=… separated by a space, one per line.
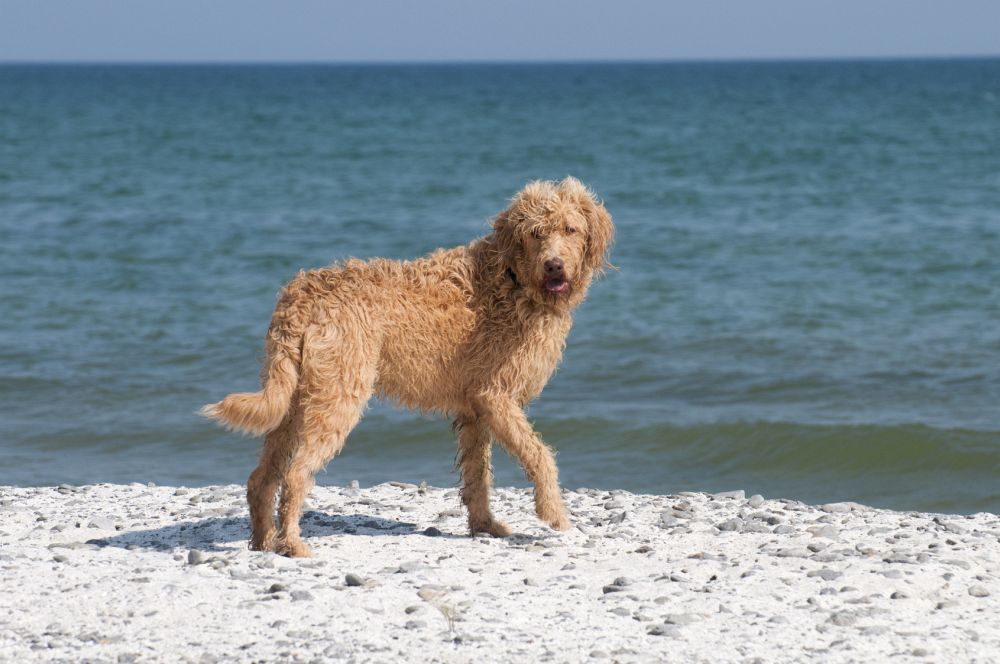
x=487 y=61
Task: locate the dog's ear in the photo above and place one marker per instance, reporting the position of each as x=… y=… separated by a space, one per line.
x=600 y=237
x=600 y=228
x=505 y=240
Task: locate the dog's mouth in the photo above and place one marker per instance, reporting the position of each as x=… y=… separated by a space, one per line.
x=555 y=286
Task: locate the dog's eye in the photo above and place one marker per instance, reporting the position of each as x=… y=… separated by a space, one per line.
x=537 y=234
x=570 y=230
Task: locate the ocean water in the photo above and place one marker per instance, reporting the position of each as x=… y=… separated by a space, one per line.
x=806 y=305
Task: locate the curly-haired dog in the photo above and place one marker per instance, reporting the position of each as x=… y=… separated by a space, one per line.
x=473 y=332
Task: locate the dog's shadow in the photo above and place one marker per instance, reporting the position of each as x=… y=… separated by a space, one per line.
x=214 y=534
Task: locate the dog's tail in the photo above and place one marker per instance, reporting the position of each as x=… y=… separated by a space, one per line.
x=258 y=413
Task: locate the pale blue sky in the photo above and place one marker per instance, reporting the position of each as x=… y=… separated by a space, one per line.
x=500 y=30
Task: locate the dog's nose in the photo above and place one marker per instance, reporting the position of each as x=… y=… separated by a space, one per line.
x=554 y=267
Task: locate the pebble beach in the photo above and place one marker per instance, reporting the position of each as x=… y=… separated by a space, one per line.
x=122 y=573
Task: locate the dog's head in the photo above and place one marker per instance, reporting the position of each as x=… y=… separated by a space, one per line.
x=553 y=239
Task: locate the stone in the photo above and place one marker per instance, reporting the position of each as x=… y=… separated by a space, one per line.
x=739 y=494
x=415 y=624
x=301 y=595
x=664 y=630
x=681 y=618
x=353 y=580
x=755 y=500
x=432 y=532
x=102 y=523
x=735 y=524
x=979 y=591
x=826 y=531
x=825 y=574
x=836 y=508
x=196 y=557
x=843 y=618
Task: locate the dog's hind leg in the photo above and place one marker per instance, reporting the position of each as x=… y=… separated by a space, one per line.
x=515 y=434
x=337 y=382
x=474 y=460
x=262 y=486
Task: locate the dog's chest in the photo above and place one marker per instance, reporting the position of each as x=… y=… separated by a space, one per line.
x=539 y=355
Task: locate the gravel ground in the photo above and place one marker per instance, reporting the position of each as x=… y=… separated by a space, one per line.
x=145 y=573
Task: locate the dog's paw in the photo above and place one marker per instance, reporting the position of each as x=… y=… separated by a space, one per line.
x=494 y=528
x=559 y=523
x=264 y=543
x=295 y=549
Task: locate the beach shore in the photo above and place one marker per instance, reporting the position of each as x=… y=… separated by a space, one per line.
x=125 y=573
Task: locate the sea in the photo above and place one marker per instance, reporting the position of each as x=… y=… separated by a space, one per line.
x=805 y=302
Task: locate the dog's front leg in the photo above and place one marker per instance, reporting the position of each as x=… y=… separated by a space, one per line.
x=474 y=460
x=515 y=434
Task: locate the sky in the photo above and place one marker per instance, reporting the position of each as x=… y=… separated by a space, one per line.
x=493 y=30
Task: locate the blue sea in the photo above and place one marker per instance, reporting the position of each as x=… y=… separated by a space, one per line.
x=806 y=302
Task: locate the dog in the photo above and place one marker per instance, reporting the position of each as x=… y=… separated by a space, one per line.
x=474 y=333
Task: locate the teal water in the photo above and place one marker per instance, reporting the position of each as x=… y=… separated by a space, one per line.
x=807 y=303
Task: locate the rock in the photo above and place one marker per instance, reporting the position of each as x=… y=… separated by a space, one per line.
x=739 y=494
x=354 y=485
x=794 y=552
x=826 y=531
x=755 y=500
x=783 y=529
x=825 y=574
x=827 y=557
x=530 y=582
x=899 y=594
x=103 y=523
x=664 y=630
x=353 y=580
x=836 y=508
x=277 y=588
x=979 y=591
x=756 y=527
x=842 y=618
x=415 y=624
x=949 y=526
x=667 y=520
x=734 y=524
x=412 y=566
x=430 y=591
x=681 y=618
x=432 y=532
x=196 y=557
x=301 y=596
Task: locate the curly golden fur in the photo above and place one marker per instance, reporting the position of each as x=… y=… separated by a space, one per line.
x=473 y=332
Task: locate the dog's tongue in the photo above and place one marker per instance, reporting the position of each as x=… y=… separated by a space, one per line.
x=556 y=285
